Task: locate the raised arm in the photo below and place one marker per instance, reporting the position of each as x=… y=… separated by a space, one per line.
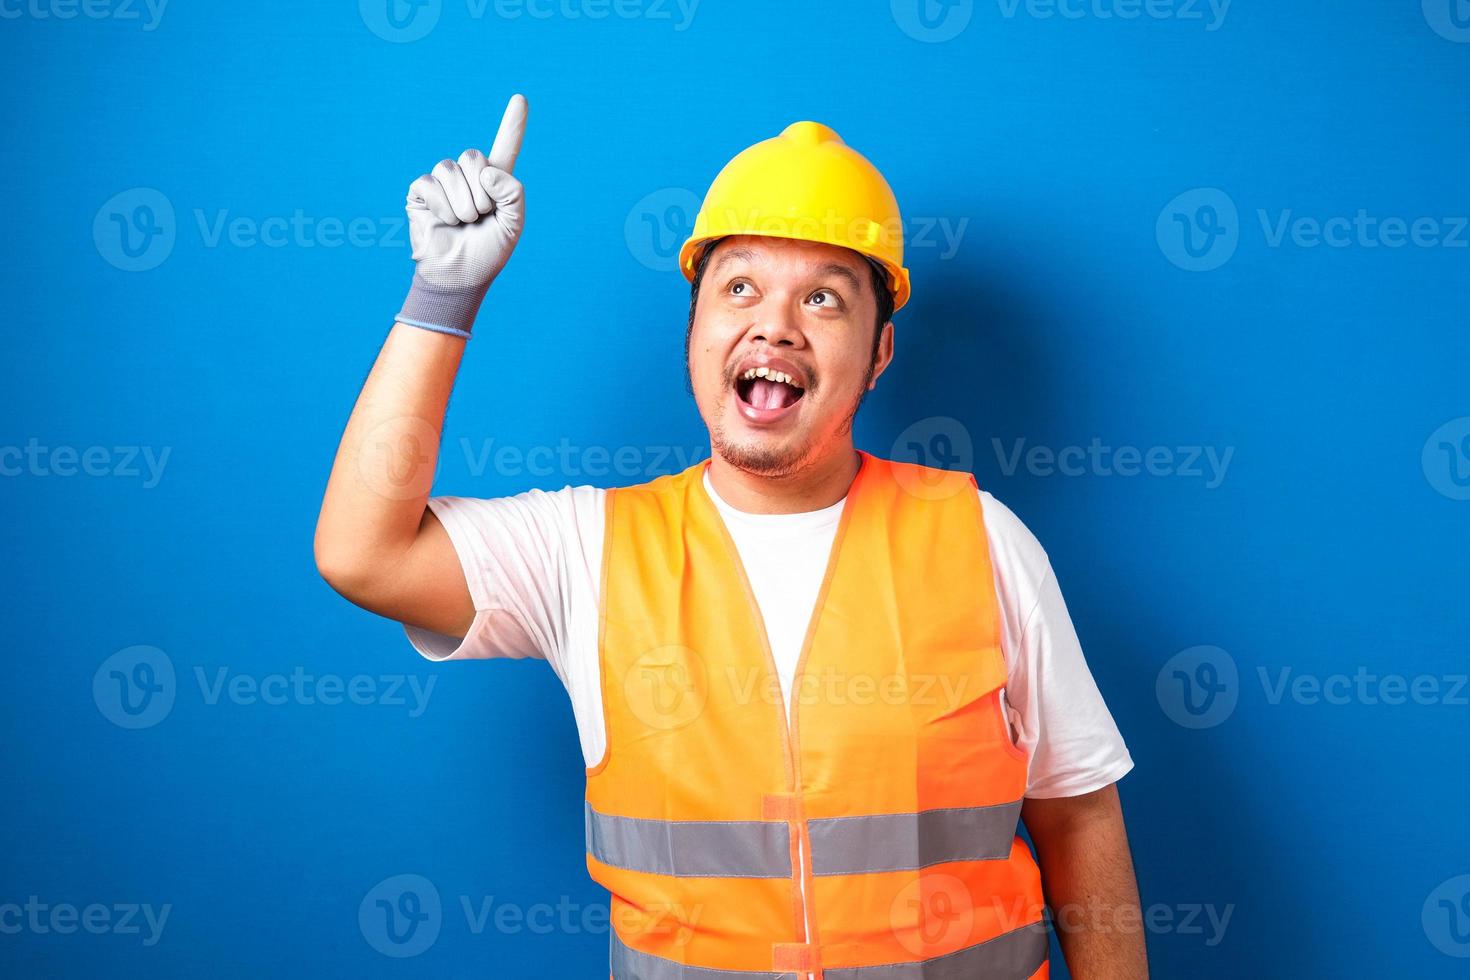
x=376 y=541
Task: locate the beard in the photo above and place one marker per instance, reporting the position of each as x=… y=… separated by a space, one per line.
x=792 y=455
x=760 y=459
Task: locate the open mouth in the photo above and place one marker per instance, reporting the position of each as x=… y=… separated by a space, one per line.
x=766 y=395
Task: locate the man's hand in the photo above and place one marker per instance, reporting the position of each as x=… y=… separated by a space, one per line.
x=464 y=219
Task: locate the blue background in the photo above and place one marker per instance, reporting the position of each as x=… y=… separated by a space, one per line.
x=1335 y=542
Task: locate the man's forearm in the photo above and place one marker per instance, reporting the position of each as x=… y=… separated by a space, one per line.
x=1087 y=875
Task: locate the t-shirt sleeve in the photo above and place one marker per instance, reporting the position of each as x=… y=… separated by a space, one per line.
x=518 y=555
x=1056 y=708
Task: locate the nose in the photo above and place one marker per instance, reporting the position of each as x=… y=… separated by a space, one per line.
x=776 y=325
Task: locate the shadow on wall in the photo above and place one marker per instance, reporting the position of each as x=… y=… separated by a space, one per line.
x=972 y=347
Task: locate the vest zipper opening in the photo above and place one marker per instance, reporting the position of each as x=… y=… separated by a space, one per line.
x=789 y=727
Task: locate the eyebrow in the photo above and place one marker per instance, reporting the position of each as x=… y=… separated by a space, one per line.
x=742 y=254
x=738 y=254
x=843 y=272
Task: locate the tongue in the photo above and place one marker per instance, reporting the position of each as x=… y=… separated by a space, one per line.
x=765 y=393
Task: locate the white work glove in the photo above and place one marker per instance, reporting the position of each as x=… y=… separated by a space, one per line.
x=464 y=219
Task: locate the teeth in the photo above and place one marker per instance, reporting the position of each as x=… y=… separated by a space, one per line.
x=770 y=374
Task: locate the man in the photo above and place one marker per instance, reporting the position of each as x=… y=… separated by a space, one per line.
x=815 y=689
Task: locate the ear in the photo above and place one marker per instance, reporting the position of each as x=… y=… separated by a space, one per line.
x=885 y=354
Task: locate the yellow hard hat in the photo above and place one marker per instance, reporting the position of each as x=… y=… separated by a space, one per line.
x=806 y=185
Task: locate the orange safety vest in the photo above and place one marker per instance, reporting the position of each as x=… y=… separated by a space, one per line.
x=874 y=838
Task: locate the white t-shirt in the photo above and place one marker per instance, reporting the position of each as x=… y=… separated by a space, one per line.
x=533 y=563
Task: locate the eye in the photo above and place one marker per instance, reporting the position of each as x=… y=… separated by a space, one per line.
x=826 y=298
x=740 y=288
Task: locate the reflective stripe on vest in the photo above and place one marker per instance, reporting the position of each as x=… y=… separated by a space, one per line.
x=909 y=841
x=691 y=848
x=840 y=845
x=1015 y=955
x=860 y=829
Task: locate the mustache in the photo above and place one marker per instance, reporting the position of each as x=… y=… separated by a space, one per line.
x=732 y=375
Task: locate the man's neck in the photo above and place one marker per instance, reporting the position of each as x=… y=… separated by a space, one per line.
x=813 y=488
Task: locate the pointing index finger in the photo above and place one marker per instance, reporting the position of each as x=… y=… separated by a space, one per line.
x=507 y=145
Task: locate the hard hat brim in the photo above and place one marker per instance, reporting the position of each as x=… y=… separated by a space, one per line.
x=898 y=276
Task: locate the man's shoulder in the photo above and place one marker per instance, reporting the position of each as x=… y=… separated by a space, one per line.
x=567 y=496
x=663 y=481
x=580 y=505
x=1014 y=548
